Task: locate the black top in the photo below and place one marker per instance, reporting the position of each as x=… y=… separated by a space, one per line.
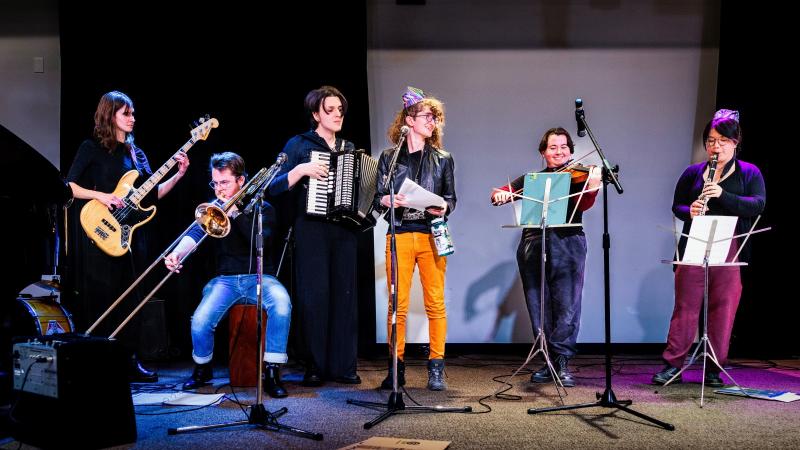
x=743 y=195
x=298 y=151
x=587 y=200
x=236 y=252
x=95 y=168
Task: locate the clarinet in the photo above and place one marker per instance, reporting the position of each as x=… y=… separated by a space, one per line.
x=712 y=169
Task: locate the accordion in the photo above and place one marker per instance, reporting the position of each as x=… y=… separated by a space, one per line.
x=346 y=194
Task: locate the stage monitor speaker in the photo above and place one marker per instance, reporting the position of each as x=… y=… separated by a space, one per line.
x=71 y=391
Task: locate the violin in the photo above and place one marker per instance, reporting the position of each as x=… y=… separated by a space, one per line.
x=579 y=173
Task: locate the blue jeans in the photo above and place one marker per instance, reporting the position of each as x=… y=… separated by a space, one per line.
x=224 y=291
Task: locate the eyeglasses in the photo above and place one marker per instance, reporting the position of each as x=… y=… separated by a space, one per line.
x=429 y=117
x=221 y=184
x=710 y=142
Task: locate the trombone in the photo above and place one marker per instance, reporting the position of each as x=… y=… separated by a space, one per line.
x=213 y=220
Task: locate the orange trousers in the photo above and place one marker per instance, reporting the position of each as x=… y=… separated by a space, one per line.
x=418 y=249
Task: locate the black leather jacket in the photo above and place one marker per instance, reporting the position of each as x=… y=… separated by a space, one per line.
x=436 y=175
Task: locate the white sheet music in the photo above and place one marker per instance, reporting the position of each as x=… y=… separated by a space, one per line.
x=418 y=197
x=701 y=226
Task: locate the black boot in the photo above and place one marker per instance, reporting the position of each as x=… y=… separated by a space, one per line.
x=542 y=375
x=272 y=381
x=566 y=377
x=200 y=377
x=139 y=374
x=313 y=376
x=666 y=374
x=401 y=375
x=713 y=379
x=436 y=375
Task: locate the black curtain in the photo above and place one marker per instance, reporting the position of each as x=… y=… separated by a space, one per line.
x=753 y=78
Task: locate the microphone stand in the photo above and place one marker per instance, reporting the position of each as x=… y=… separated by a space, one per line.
x=395 y=404
x=259 y=415
x=607 y=399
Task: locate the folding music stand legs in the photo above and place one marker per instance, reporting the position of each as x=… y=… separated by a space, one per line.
x=704 y=344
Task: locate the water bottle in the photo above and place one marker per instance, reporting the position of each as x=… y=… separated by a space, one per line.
x=441 y=237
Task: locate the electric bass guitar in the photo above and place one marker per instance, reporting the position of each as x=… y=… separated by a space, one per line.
x=112 y=230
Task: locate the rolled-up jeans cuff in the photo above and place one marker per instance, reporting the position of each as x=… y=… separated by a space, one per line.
x=202 y=360
x=276 y=358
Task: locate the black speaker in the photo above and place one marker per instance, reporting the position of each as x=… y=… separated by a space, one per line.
x=71 y=391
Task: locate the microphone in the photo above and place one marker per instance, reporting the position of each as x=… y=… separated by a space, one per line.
x=268 y=177
x=392 y=164
x=579 y=117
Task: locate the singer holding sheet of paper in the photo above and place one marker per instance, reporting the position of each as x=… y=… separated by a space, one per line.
x=566 y=253
x=731 y=188
x=422 y=160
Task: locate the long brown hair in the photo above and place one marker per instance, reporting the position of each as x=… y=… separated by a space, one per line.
x=104 y=129
x=437 y=108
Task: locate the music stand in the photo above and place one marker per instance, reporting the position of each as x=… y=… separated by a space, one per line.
x=395 y=404
x=539 y=211
x=259 y=415
x=708 y=244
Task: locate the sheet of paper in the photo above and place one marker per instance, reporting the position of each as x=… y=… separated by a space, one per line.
x=176 y=399
x=701 y=227
x=766 y=394
x=418 y=197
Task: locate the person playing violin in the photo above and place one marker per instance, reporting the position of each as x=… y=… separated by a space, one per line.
x=566 y=258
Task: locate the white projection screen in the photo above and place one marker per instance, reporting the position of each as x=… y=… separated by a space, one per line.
x=646 y=107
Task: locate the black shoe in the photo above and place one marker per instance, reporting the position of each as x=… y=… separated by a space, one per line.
x=666 y=374
x=713 y=379
x=388 y=382
x=348 y=379
x=562 y=366
x=312 y=378
x=436 y=375
x=272 y=381
x=139 y=374
x=200 y=377
x=542 y=375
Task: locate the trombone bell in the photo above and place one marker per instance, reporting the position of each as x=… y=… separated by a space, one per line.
x=212 y=220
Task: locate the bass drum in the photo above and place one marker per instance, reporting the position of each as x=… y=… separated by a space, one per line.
x=41 y=316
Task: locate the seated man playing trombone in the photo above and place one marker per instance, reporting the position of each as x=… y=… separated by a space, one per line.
x=236 y=279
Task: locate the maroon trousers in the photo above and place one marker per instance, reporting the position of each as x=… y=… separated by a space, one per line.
x=724 y=291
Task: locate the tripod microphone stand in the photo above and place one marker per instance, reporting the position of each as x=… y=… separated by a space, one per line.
x=607 y=399
x=258 y=416
x=395 y=404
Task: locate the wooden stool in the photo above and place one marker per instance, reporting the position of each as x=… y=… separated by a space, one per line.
x=242 y=344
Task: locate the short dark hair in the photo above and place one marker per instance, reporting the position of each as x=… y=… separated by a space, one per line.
x=315 y=98
x=558 y=131
x=727 y=127
x=230 y=161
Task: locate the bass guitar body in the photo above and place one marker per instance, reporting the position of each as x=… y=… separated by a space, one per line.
x=112 y=231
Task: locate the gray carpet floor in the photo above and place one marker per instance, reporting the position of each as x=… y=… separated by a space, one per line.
x=723 y=422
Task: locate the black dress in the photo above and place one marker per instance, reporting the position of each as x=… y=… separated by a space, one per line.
x=99 y=278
